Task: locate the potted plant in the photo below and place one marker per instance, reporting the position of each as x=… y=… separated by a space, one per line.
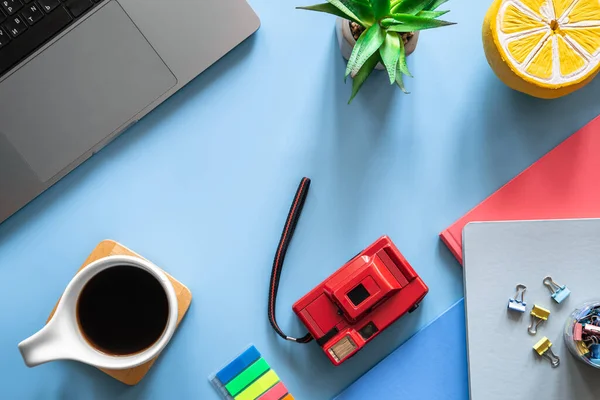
x=380 y=33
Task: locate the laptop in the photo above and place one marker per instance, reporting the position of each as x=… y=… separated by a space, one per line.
x=74 y=74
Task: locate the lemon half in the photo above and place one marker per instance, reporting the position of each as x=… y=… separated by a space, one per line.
x=545 y=48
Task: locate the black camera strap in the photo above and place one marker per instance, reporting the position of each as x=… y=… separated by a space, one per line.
x=284 y=242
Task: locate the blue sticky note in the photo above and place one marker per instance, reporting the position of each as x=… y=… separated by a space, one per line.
x=235 y=367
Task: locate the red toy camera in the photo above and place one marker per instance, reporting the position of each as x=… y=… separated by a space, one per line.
x=357 y=302
x=360 y=300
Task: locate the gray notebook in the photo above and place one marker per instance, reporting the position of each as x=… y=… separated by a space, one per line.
x=497 y=257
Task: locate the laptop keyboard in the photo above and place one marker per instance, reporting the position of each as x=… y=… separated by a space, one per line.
x=25 y=25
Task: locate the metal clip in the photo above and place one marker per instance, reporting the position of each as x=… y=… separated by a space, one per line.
x=559 y=293
x=543 y=349
x=518 y=303
x=538 y=316
x=590 y=341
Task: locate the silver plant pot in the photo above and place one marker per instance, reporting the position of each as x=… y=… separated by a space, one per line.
x=347 y=41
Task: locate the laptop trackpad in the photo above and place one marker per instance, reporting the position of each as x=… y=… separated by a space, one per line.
x=80 y=90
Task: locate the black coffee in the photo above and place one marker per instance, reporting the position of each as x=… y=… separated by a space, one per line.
x=123 y=310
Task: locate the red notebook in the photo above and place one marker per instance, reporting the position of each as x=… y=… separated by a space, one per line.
x=565 y=183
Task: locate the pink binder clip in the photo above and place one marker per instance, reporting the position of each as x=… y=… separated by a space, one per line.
x=577 y=331
x=592 y=329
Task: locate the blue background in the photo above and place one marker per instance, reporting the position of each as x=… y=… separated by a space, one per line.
x=202 y=186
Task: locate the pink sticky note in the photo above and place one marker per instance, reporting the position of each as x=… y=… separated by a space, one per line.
x=275 y=393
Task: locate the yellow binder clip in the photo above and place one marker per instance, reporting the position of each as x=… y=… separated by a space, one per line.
x=582 y=348
x=543 y=349
x=538 y=316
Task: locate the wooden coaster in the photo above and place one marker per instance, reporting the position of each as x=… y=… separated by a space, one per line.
x=107 y=248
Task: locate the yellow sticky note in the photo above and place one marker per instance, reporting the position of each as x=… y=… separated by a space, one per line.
x=259 y=386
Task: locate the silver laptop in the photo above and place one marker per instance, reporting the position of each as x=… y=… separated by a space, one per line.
x=74 y=74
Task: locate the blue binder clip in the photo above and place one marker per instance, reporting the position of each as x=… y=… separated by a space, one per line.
x=559 y=293
x=595 y=351
x=518 y=303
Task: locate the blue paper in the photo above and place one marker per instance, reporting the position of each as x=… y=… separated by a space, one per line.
x=431 y=365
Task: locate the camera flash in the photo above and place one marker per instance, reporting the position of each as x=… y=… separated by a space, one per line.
x=342 y=348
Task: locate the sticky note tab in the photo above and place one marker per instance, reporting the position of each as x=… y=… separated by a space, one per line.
x=235 y=367
x=259 y=387
x=288 y=397
x=275 y=393
x=249 y=375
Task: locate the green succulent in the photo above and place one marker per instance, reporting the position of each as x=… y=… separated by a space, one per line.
x=384 y=21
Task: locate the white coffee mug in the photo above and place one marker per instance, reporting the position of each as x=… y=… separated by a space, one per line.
x=62 y=339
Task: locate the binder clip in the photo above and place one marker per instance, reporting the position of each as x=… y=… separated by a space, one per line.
x=595 y=351
x=538 y=316
x=543 y=349
x=582 y=348
x=590 y=341
x=578 y=332
x=559 y=293
x=518 y=303
x=591 y=329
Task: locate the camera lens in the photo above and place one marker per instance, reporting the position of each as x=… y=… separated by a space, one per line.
x=368 y=330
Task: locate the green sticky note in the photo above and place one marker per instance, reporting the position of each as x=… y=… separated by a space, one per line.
x=259 y=387
x=248 y=376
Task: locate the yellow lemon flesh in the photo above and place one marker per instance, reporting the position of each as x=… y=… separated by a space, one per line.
x=545 y=48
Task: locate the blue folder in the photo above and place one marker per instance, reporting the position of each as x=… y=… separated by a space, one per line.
x=431 y=365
